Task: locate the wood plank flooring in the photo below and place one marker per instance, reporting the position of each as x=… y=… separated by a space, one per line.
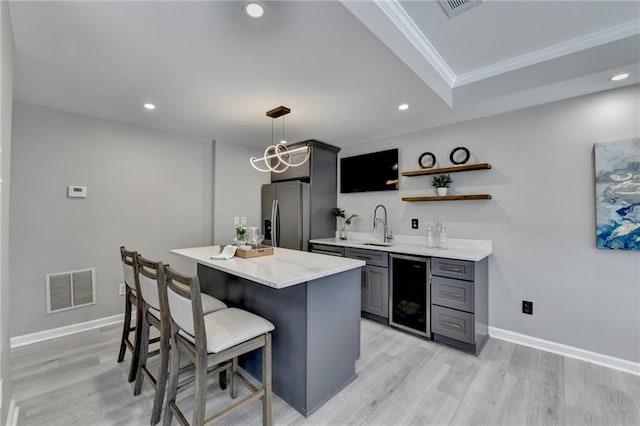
x=402 y=380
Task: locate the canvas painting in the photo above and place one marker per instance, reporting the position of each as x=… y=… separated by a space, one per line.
x=617 y=167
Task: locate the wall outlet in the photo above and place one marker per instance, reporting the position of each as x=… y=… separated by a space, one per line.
x=527 y=307
x=414 y=223
x=121 y=289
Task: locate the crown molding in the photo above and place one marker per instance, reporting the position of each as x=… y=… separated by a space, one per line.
x=403 y=22
x=562 y=49
x=408 y=28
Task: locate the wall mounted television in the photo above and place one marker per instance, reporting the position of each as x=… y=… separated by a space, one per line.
x=376 y=171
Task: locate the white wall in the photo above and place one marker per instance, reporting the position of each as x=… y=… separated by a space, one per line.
x=541 y=218
x=147 y=190
x=6 y=100
x=237 y=189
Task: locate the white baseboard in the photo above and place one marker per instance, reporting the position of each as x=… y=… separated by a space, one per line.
x=12 y=415
x=41 y=336
x=566 y=350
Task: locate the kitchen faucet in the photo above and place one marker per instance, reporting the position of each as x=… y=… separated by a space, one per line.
x=387 y=233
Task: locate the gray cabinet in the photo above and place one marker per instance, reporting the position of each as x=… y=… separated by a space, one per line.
x=460 y=303
x=321 y=172
x=375 y=283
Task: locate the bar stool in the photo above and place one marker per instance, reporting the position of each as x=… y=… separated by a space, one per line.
x=213 y=339
x=130 y=300
x=155 y=312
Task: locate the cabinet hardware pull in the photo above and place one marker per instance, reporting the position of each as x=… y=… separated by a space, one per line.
x=451 y=269
x=447 y=293
x=450 y=324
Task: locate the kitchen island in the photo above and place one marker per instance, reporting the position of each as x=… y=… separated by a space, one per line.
x=314 y=302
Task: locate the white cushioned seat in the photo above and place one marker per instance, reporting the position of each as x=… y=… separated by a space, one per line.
x=229 y=327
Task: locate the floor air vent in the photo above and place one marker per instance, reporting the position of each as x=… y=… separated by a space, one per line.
x=69 y=290
x=456 y=7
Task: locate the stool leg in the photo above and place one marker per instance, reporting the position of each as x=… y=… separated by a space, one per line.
x=126 y=326
x=201 y=387
x=144 y=353
x=233 y=382
x=266 y=381
x=174 y=372
x=135 y=359
x=162 y=376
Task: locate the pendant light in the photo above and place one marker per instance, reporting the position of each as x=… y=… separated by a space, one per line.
x=277 y=157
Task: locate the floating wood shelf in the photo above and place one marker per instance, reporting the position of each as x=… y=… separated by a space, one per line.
x=452 y=169
x=449 y=197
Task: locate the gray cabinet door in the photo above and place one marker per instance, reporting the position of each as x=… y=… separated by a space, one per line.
x=456 y=294
x=372 y=257
x=375 y=291
x=454 y=324
x=299 y=172
x=452 y=268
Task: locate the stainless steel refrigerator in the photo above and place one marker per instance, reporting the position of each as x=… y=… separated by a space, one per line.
x=286 y=217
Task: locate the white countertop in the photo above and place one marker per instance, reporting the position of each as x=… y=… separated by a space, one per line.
x=461 y=249
x=282 y=269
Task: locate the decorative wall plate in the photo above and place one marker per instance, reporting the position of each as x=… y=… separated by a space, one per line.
x=427 y=160
x=461 y=160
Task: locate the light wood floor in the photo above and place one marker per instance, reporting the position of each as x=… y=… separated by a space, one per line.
x=75 y=380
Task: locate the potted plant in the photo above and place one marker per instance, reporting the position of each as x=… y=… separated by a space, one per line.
x=240 y=231
x=441 y=183
x=344 y=221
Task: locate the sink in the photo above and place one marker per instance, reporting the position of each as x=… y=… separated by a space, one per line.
x=378 y=244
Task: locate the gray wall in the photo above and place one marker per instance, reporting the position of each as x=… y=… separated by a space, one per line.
x=6 y=100
x=541 y=219
x=237 y=189
x=147 y=190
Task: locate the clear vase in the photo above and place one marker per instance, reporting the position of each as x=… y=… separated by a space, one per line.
x=342 y=234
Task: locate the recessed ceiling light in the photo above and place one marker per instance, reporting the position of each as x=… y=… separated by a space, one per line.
x=403 y=107
x=149 y=106
x=619 y=77
x=254 y=10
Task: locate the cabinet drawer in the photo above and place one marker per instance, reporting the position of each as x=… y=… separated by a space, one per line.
x=372 y=257
x=327 y=249
x=456 y=294
x=454 y=324
x=460 y=269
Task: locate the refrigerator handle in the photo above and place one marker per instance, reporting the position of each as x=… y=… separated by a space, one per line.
x=277 y=224
x=274 y=225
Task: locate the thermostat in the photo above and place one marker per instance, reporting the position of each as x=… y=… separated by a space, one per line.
x=77 y=191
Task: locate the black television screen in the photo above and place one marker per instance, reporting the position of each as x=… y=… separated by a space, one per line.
x=377 y=171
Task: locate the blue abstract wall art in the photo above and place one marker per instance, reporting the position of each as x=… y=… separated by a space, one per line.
x=617 y=167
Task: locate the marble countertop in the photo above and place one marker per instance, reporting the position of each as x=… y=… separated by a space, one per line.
x=282 y=269
x=461 y=249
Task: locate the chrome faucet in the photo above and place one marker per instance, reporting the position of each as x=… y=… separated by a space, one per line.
x=387 y=233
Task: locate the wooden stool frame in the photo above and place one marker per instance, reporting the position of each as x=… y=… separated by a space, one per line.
x=189 y=288
x=131 y=299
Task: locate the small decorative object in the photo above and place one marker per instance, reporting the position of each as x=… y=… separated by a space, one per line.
x=240 y=231
x=427 y=160
x=617 y=170
x=441 y=183
x=344 y=221
x=461 y=160
x=430 y=238
x=442 y=240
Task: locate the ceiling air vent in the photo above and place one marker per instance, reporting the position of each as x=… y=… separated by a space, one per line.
x=456 y=7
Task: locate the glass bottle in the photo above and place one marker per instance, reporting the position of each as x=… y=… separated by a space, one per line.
x=443 y=239
x=430 y=237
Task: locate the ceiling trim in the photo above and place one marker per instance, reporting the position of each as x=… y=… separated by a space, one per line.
x=410 y=30
x=572 y=46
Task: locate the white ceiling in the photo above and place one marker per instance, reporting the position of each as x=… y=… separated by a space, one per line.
x=342 y=67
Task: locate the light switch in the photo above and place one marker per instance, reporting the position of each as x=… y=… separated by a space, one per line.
x=77 y=191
